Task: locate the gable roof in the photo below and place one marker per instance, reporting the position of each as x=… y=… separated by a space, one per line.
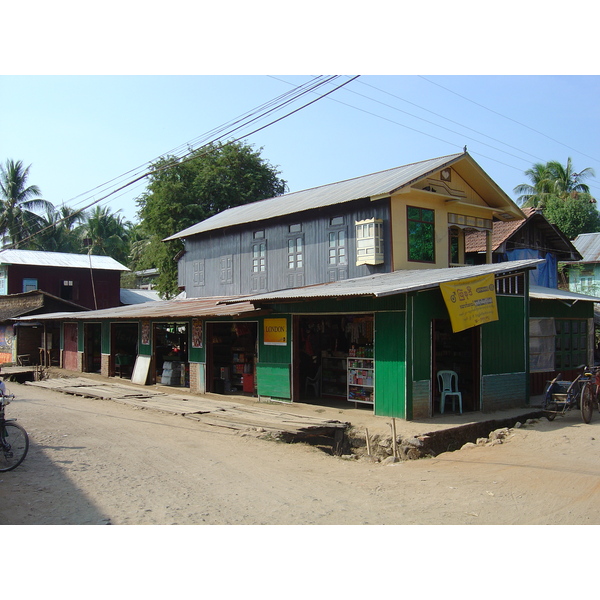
x=588 y=245
x=374 y=186
x=59 y=259
x=504 y=230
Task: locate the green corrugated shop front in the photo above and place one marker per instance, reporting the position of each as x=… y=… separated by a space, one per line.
x=390 y=364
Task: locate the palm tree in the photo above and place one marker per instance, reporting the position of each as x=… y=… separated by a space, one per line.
x=105 y=233
x=17 y=203
x=536 y=192
x=567 y=183
x=552 y=180
x=59 y=231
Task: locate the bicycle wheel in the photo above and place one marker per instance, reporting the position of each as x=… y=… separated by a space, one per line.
x=552 y=407
x=587 y=402
x=14 y=444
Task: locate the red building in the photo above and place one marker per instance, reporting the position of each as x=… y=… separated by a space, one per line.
x=89 y=281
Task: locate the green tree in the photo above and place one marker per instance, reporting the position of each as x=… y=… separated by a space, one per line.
x=18 y=221
x=573 y=214
x=181 y=193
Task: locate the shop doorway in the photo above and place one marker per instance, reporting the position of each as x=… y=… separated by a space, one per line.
x=231 y=357
x=124 y=337
x=458 y=352
x=93 y=347
x=171 y=354
x=323 y=346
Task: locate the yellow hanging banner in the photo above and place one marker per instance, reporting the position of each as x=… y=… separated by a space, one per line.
x=470 y=302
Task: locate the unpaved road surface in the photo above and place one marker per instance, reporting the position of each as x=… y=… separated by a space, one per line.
x=99 y=462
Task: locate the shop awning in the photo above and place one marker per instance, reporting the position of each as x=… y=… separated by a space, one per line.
x=388 y=284
x=165 y=309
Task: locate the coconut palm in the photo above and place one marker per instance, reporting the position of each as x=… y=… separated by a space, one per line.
x=59 y=231
x=18 y=201
x=105 y=233
x=550 y=180
x=566 y=182
x=535 y=192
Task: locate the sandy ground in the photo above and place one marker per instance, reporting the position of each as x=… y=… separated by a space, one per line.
x=100 y=462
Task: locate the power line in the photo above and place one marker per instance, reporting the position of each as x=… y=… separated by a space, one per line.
x=435 y=125
x=263 y=109
x=441 y=117
x=508 y=118
x=192 y=153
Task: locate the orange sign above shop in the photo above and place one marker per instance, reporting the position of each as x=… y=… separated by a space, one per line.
x=275 y=332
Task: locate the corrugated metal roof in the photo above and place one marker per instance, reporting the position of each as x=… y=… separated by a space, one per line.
x=138 y=296
x=59 y=259
x=382 y=184
x=388 y=284
x=165 y=309
x=544 y=293
x=588 y=245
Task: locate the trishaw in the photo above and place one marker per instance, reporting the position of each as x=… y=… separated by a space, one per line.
x=581 y=393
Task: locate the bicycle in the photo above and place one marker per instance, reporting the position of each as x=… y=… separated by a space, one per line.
x=590 y=394
x=14 y=441
x=582 y=393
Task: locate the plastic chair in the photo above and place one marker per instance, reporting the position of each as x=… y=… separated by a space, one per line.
x=448 y=384
x=314 y=383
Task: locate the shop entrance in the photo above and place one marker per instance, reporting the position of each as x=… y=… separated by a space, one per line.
x=328 y=349
x=171 y=354
x=124 y=337
x=93 y=347
x=457 y=352
x=231 y=357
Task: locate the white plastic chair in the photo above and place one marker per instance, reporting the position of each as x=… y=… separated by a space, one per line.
x=314 y=383
x=448 y=384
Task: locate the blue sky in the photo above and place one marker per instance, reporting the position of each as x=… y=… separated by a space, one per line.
x=90 y=100
x=91 y=92
x=84 y=136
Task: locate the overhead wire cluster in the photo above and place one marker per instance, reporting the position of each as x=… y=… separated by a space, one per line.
x=294 y=100
x=240 y=127
x=463 y=136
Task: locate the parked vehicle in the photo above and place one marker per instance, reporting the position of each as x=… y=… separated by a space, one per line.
x=14 y=441
x=582 y=393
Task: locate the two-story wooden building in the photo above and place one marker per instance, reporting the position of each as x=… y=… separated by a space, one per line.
x=335 y=294
x=410 y=217
x=34 y=283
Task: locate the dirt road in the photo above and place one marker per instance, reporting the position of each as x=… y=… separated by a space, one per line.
x=99 y=462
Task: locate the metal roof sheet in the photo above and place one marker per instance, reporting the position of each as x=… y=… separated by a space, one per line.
x=138 y=296
x=588 y=245
x=388 y=284
x=60 y=259
x=382 y=183
x=164 y=309
x=543 y=293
